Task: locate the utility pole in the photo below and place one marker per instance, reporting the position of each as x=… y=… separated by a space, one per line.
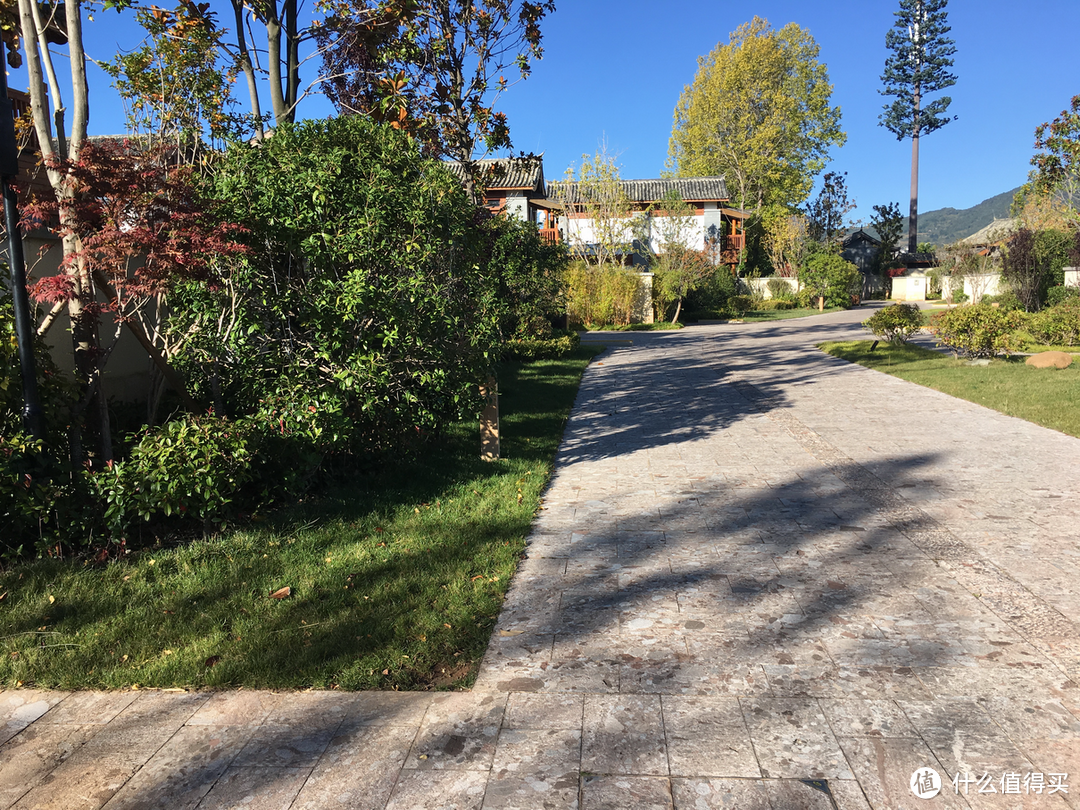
x=9 y=168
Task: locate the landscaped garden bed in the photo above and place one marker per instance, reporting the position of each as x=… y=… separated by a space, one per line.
x=1046 y=397
x=387 y=580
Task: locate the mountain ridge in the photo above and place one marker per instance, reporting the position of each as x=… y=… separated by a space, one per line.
x=943 y=226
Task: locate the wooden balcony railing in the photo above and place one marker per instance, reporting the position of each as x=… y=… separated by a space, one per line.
x=550 y=235
x=735 y=241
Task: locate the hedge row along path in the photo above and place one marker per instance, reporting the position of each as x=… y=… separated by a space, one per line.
x=756 y=565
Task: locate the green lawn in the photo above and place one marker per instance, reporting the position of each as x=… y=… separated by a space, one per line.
x=756 y=316
x=659 y=326
x=1047 y=397
x=395 y=580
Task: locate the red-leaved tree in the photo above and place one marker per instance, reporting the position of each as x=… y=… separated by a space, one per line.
x=138 y=226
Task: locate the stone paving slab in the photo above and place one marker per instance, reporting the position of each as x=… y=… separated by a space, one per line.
x=761 y=578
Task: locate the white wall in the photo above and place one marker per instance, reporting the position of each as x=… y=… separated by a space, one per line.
x=582 y=231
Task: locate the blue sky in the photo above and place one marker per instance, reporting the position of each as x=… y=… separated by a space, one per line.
x=614 y=71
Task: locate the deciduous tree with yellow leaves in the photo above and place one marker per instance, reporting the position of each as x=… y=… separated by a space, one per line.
x=758 y=112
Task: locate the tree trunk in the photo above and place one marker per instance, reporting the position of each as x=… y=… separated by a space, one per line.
x=273 y=58
x=246 y=66
x=913 y=216
x=292 y=60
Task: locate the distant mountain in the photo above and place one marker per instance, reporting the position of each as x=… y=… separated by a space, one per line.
x=947 y=225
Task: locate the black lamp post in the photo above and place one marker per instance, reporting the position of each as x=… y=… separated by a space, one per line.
x=9 y=168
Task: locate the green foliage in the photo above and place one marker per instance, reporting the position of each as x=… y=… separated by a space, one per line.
x=888 y=222
x=172 y=84
x=825 y=215
x=1060 y=294
x=1057 y=167
x=678 y=272
x=920 y=55
x=775 y=303
x=1054 y=250
x=1006 y=301
x=827 y=274
x=1058 y=325
x=712 y=295
x=366 y=289
x=401 y=568
x=758 y=113
x=1026 y=268
x=895 y=323
x=780 y=290
x=740 y=305
x=528 y=274
x=435 y=69
x=193 y=466
x=979 y=330
x=601 y=295
x=552 y=348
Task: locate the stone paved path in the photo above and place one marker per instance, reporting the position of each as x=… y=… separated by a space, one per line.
x=756 y=567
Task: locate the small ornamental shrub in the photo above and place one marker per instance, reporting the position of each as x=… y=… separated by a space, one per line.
x=978 y=330
x=895 y=323
x=833 y=277
x=960 y=297
x=1059 y=325
x=740 y=305
x=1006 y=300
x=780 y=290
x=194 y=466
x=775 y=304
x=526 y=349
x=1060 y=294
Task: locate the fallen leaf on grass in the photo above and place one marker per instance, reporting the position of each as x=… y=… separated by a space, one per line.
x=281 y=593
x=3 y=596
x=478 y=576
x=51 y=599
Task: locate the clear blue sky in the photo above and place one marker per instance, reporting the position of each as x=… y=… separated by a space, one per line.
x=615 y=70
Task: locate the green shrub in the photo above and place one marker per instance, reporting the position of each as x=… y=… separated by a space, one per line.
x=532 y=349
x=1054 y=249
x=895 y=323
x=959 y=297
x=40 y=507
x=601 y=295
x=712 y=294
x=1006 y=300
x=774 y=304
x=830 y=275
x=1058 y=325
x=780 y=290
x=368 y=287
x=193 y=466
x=740 y=305
x=1060 y=294
x=978 y=330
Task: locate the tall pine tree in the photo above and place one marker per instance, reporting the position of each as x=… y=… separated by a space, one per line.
x=918 y=65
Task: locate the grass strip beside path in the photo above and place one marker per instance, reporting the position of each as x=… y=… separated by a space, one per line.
x=395 y=580
x=1046 y=397
x=760 y=316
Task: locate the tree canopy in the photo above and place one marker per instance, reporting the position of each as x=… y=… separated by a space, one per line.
x=758 y=113
x=918 y=65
